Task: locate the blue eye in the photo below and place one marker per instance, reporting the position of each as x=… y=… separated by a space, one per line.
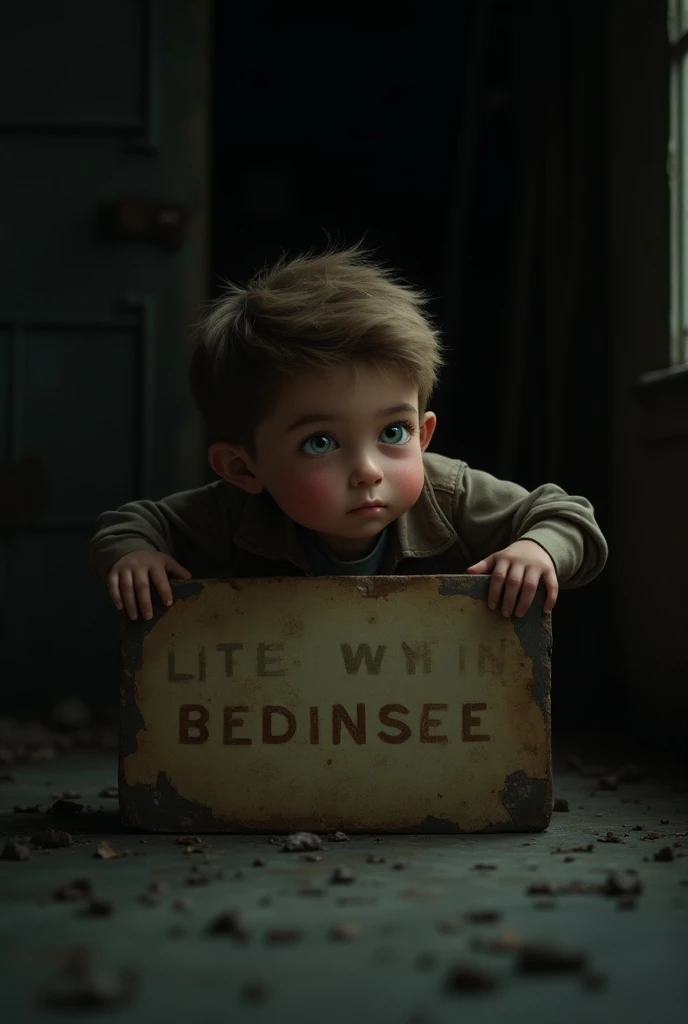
x=395 y=428
x=322 y=444
x=317 y=449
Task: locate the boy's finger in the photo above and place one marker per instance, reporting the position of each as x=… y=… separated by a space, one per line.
x=113 y=590
x=499 y=575
x=143 y=593
x=553 y=589
x=514 y=582
x=126 y=589
x=163 y=585
x=530 y=585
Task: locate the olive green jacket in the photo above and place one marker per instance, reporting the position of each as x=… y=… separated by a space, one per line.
x=462 y=516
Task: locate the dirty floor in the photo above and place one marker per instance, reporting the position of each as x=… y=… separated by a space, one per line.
x=419 y=930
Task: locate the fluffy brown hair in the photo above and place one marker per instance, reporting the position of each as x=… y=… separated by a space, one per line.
x=308 y=313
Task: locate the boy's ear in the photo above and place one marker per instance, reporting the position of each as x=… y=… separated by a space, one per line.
x=427 y=429
x=233 y=464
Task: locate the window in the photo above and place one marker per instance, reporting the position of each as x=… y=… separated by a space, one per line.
x=678 y=178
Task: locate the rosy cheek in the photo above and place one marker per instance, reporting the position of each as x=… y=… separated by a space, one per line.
x=408 y=481
x=307 y=496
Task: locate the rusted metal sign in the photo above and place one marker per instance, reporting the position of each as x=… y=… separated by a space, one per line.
x=367 y=704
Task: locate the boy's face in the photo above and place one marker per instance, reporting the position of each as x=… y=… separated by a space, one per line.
x=352 y=450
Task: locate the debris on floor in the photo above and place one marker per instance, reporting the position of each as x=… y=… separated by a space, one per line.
x=431 y=919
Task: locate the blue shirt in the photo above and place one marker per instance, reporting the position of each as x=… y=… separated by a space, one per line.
x=325 y=563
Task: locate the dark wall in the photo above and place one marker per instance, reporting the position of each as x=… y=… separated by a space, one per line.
x=349 y=132
x=336 y=131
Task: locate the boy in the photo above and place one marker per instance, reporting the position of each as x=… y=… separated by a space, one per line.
x=314 y=381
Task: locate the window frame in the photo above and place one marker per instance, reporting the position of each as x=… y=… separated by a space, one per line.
x=677 y=171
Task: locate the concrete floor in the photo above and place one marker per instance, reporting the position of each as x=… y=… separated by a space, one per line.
x=411 y=922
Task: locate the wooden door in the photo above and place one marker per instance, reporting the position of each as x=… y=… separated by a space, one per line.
x=103 y=268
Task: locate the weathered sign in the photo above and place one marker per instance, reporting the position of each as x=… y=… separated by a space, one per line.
x=361 y=703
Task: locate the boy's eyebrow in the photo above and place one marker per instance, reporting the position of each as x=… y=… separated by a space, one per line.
x=320 y=417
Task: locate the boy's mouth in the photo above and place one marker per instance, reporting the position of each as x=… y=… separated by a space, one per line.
x=368 y=506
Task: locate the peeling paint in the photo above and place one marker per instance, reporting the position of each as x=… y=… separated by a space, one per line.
x=528 y=801
x=464 y=586
x=377 y=586
x=131 y=655
x=160 y=808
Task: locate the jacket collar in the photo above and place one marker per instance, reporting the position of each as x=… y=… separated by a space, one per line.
x=421 y=532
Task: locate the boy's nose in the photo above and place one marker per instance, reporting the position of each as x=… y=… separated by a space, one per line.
x=365 y=471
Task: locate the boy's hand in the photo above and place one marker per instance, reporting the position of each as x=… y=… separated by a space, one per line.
x=520 y=565
x=128 y=580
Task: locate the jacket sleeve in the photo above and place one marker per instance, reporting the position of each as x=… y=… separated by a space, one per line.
x=191 y=526
x=490 y=514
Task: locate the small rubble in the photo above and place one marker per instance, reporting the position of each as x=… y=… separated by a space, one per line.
x=665 y=854
x=50 y=839
x=466 y=978
x=105 y=851
x=13 y=850
x=483 y=916
x=341 y=875
x=71 y=892
x=62 y=806
x=544 y=958
x=610 y=837
x=229 y=922
x=298 y=842
x=616 y=883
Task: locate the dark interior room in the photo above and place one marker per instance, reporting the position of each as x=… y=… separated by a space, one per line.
x=524 y=165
